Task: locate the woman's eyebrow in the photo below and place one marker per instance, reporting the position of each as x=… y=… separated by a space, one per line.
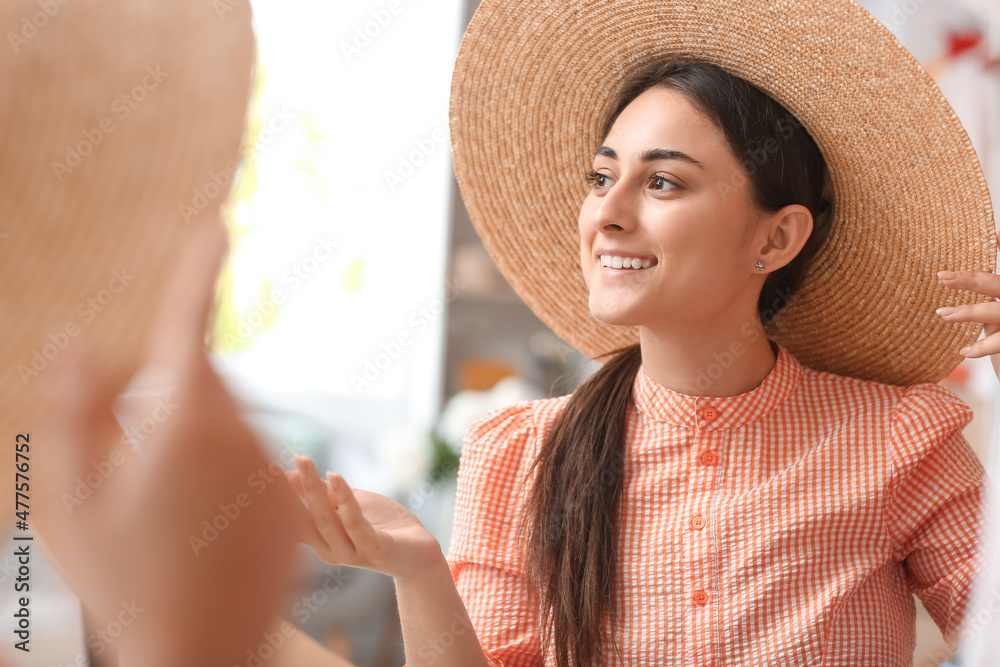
x=651 y=154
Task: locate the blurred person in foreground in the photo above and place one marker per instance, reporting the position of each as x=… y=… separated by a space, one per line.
x=131 y=539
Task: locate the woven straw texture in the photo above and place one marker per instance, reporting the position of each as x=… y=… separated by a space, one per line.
x=529 y=89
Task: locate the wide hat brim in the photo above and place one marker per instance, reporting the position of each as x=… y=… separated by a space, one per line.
x=530 y=86
x=122 y=129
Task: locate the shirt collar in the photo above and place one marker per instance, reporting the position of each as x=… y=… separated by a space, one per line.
x=666 y=405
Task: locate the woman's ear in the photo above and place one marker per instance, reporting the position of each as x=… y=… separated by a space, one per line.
x=783 y=234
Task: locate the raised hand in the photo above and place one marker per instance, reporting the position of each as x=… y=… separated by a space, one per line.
x=140 y=537
x=986 y=313
x=359 y=528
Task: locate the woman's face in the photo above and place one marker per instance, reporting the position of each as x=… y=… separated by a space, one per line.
x=668 y=191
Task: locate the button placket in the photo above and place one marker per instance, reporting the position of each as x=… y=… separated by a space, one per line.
x=704 y=470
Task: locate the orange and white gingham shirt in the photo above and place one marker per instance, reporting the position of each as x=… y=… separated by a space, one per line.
x=789 y=525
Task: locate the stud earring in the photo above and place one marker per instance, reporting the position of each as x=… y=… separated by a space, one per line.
x=760 y=265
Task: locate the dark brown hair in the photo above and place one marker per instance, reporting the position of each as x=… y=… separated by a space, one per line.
x=570 y=518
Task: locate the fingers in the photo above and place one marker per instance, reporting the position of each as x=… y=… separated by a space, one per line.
x=977 y=281
x=353 y=518
x=308 y=533
x=294 y=478
x=179 y=326
x=975 y=312
x=986 y=313
x=323 y=510
x=985 y=346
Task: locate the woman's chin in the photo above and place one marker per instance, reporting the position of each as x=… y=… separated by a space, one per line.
x=614 y=316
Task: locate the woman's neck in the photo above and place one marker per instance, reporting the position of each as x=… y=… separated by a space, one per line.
x=708 y=363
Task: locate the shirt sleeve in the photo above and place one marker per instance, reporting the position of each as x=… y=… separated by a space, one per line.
x=484 y=558
x=935 y=499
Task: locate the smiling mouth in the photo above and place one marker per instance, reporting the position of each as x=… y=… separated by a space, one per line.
x=626 y=263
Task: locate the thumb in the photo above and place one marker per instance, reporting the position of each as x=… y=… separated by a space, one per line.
x=83 y=429
x=81 y=397
x=78 y=396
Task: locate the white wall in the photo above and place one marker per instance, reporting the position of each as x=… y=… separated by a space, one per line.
x=356 y=91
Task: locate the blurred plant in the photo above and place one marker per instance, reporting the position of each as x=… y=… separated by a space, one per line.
x=444 y=461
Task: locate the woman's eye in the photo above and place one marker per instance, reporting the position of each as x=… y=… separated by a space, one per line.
x=599 y=181
x=596 y=179
x=660 y=181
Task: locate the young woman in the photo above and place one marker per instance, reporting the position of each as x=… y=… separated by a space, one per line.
x=704 y=498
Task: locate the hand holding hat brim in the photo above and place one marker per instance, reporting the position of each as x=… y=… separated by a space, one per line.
x=988 y=314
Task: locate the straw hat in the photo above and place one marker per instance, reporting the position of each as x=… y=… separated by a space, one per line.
x=122 y=125
x=530 y=85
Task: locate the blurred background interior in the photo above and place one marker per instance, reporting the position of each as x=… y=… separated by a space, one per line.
x=362 y=322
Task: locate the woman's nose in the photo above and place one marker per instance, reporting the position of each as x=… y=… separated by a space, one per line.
x=617 y=210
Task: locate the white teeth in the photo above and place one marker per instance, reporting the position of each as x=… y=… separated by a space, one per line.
x=618 y=262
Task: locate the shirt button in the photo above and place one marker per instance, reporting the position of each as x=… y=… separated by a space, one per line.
x=698 y=522
x=709 y=413
x=709 y=458
x=700 y=598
